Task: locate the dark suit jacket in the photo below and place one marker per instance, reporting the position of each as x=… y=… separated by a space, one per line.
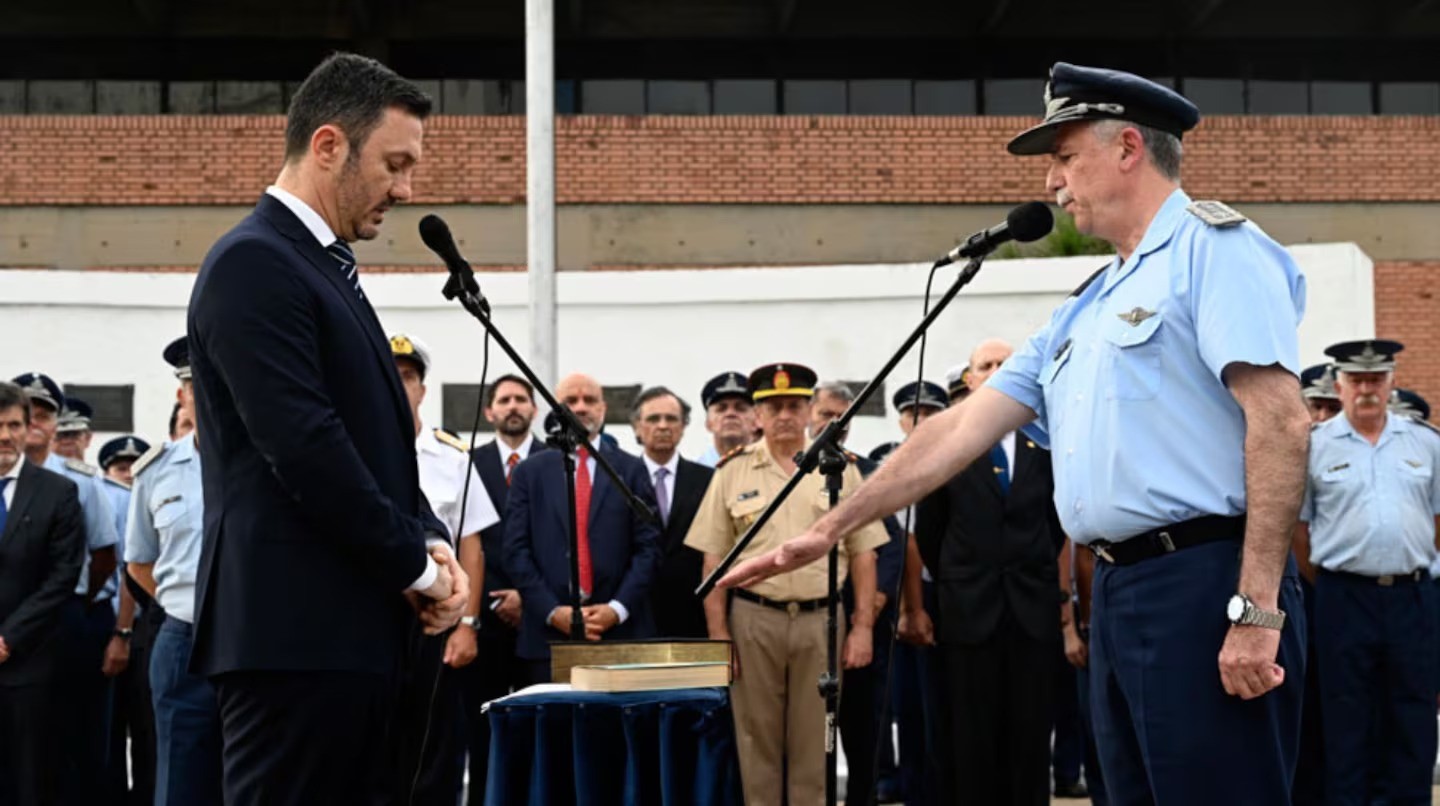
x=678 y=612
x=624 y=550
x=492 y=474
x=994 y=553
x=313 y=511
x=40 y=555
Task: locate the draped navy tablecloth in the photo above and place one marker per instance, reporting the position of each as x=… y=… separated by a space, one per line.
x=675 y=748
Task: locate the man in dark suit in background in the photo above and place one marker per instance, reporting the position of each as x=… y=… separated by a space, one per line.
x=316 y=532
x=659 y=419
x=510 y=409
x=619 y=552
x=993 y=536
x=41 y=544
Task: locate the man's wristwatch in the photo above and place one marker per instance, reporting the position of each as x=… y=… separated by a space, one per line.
x=1243 y=612
x=473 y=622
x=124 y=632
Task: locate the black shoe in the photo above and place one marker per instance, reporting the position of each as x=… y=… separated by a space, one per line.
x=1075 y=789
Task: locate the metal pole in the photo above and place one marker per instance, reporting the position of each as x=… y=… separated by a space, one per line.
x=540 y=181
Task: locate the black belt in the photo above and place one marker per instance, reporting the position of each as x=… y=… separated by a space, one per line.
x=1384 y=580
x=1170 y=539
x=790 y=607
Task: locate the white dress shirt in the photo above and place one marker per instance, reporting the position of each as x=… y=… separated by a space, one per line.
x=14 y=476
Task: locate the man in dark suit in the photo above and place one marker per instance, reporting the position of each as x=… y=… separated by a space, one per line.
x=659 y=420
x=619 y=553
x=315 y=558
x=42 y=541
x=510 y=409
x=993 y=535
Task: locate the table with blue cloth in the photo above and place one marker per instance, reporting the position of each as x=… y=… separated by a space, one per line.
x=669 y=747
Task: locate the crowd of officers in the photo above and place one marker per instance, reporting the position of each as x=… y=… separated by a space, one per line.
x=965 y=617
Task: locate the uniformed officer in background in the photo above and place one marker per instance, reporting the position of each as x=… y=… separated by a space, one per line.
x=89 y=618
x=1317 y=386
x=1370 y=519
x=72 y=429
x=118 y=456
x=729 y=415
x=162 y=546
x=1166 y=388
x=778 y=629
x=430 y=709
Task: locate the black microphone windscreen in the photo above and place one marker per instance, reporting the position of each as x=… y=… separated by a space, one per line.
x=436 y=234
x=1030 y=221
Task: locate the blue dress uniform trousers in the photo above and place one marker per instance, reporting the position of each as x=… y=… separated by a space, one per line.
x=187 y=724
x=1167 y=731
x=89 y=694
x=1309 y=789
x=919 y=709
x=1376 y=649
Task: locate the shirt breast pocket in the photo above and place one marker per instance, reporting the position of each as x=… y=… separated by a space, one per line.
x=169 y=508
x=744 y=513
x=1134 y=356
x=1337 y=474
x=1417 y=474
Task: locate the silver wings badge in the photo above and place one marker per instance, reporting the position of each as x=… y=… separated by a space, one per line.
x=1135 y=316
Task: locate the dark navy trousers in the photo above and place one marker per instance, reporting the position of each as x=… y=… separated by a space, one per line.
x=1376 y=649
x=187 y=724
x=1166 y=730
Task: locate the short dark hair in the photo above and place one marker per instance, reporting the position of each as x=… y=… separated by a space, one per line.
x=352 y=92
x=507 y=378
x=12 y=395
x=654 y=392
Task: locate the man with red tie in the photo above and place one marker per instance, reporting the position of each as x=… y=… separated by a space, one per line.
x=618 y=554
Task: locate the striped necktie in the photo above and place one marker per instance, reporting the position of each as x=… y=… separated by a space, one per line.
x=346 y=258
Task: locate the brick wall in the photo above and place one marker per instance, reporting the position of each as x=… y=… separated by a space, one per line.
x=680 y=160
x=1407 y=309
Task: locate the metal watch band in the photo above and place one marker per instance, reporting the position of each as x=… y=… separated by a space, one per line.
x=1258 y=617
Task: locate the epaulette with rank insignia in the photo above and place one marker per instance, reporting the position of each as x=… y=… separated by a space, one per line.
x=1433 y=428
x=149 y=456
x=450 y=439
x=1216 y=214
x=731 y=455
x=80 y=467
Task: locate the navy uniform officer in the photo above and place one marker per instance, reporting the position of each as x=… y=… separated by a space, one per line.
x=1166 y=390
x=1370 y=509
x=89 y=618
x=430 y=693
x=162 y=544
x=72 y=429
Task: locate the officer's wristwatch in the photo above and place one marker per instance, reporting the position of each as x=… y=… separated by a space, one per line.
x=1243 y=612
x=473 y=622
x=124 y=632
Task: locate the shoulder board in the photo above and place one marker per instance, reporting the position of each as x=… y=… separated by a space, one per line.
x=731 y=455
x=1080 y=289
x=80 y=467
x=450 y=439
x=1427 y=425
x=149 y=456
x=1216 y=214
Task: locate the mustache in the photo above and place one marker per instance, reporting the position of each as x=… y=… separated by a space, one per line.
x=1368 y=400
x=1062 y=196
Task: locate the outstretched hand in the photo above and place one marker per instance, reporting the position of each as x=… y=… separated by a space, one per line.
x=794 y=553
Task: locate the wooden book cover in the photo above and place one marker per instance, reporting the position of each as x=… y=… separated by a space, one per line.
x=649 y=676
x=566 y=655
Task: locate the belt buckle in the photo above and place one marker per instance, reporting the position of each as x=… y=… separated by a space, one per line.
x=793 y=608
x=1101 y=549
x=1385 y=580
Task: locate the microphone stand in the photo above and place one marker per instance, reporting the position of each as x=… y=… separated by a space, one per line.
x=568 y=436
x=825 y=453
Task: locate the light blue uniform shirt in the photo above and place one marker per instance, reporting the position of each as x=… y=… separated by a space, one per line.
x=120 y=502
x=98 y=515
x=167 y=524
x=710 y=457
x=1125 y=379
x=1372 y=508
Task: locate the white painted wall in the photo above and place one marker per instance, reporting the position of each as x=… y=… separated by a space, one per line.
x=676 y=328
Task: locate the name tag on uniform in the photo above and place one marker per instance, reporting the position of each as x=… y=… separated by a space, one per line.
x=172 y=499
x=1338 y=467
x=746 y=496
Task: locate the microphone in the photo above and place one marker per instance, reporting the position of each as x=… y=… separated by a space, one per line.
x=1030 y=221
x=436 y=235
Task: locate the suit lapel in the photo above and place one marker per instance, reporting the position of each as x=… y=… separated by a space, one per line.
x=1024 y=455
x=24 y=494
x=599 y=487
x=274 y=211
x=487 y=464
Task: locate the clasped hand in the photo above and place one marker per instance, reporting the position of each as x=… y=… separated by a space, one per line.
x=441 y=605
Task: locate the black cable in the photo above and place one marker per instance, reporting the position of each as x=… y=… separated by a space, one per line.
x=464 y=499
x=904 y=558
